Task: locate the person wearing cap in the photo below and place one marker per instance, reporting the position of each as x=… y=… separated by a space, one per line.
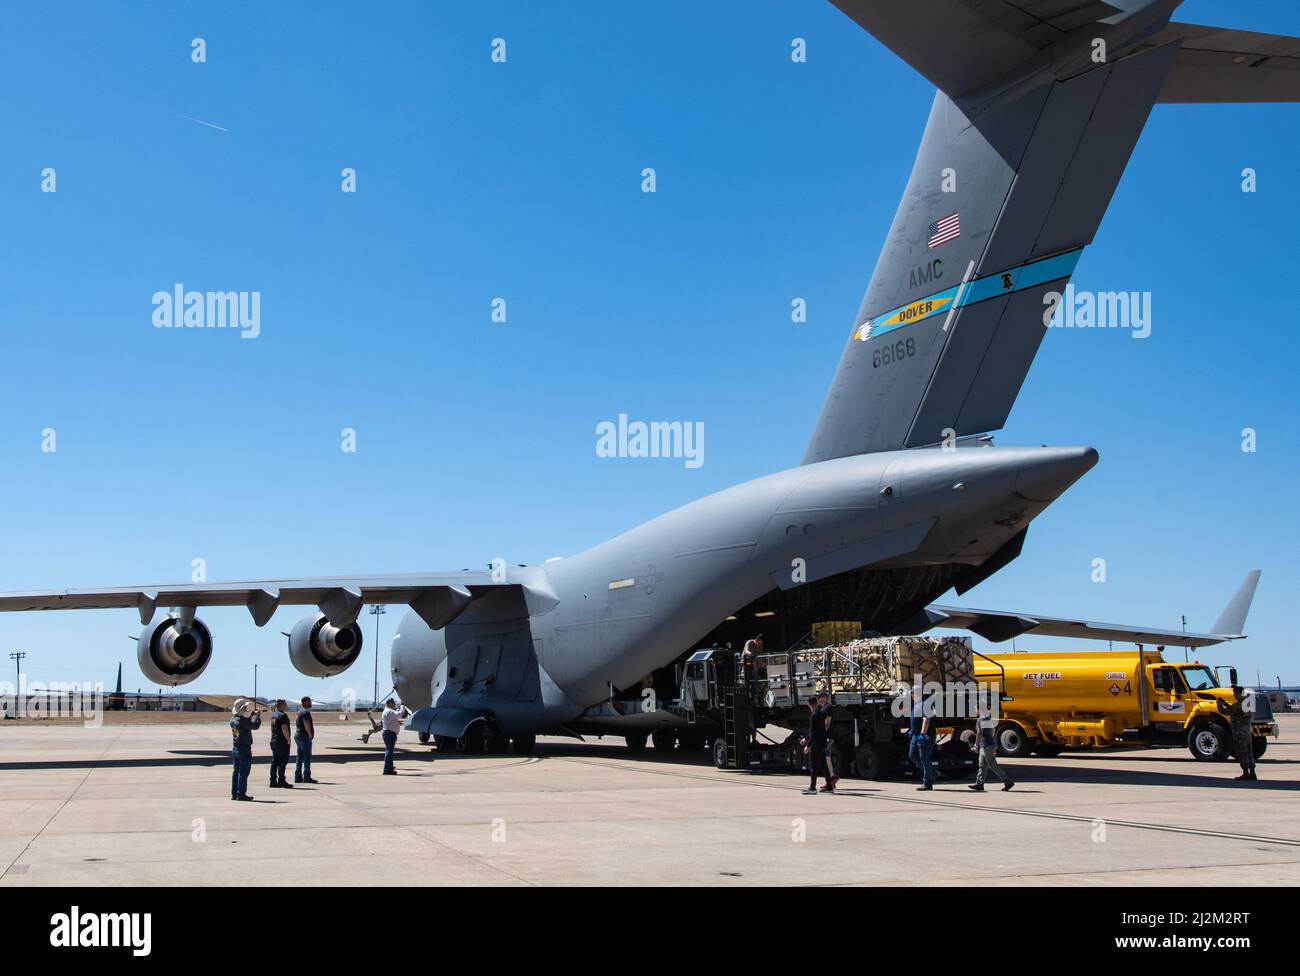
x=303 y=734
x=391 y=722
x=280 y=745
x=244 y=718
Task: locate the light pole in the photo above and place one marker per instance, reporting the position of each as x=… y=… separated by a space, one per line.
x=377 y=611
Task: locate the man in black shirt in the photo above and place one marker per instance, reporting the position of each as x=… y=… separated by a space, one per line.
x=814 y=748
x=826 y=709
x=244 y=719
x=303 y=734
x=280 y=745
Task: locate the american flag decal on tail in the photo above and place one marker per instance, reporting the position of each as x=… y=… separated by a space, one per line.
x=944 y=229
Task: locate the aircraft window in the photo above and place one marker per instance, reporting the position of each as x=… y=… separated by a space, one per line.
x=1199 y=679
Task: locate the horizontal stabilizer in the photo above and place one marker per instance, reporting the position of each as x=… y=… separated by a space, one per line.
x=961 y=46
x=1217 y=65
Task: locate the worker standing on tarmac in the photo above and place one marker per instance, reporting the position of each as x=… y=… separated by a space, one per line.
x=814 y=749
x=303 y=735
x=921 y=739
x=1241 y=716
x=392 y=719
x=244 y=718
x=280 y=745
x=986 y=741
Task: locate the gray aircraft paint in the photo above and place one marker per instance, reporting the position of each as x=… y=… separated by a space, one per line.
x=1039 y=136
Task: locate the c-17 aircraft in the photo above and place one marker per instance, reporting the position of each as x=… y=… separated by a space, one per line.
x=900 y=495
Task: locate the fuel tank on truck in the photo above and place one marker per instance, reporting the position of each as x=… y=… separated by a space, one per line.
x=1069 y=683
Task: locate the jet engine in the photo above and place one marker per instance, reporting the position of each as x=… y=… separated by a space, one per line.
x=320 y=650
x=171 y=653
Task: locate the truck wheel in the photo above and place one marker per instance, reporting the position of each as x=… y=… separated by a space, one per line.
x=1209 y=742
x=1048 y=750
x=720 y=752
x=1012 y=741
x=693 y=740
x=873 y=760
x=1258 y=744
x=635 y=743
x=665 y=740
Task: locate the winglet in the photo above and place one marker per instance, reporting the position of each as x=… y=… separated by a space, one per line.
x=1232 y=621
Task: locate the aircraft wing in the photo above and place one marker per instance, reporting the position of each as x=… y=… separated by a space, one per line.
x=997 y=625
x=438 y=598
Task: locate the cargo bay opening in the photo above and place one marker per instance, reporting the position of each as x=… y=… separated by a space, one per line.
x=752 y=718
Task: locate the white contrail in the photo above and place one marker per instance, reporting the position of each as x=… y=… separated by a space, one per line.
x=211 y=125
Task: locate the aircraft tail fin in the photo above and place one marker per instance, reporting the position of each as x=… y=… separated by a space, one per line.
x=1218 y=65
x=1040 y=105
x=1232 y=622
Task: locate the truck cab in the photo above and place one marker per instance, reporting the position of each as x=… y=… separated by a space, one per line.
x=1190 y=703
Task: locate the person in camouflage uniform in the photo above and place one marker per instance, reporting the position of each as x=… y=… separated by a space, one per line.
x=1241 y=715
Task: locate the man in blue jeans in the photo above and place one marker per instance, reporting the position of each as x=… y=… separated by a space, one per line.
x=921 y=739
x=393 y=717
x=243 y=720
x=304 y=732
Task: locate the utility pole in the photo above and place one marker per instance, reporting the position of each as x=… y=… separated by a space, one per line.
x=254 y=682
x=17 y=658
x=377 y=611
x=1184 y=618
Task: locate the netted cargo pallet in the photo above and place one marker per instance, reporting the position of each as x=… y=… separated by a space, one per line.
x=881 y=664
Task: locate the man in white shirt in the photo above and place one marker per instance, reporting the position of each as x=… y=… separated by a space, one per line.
x=391 y=722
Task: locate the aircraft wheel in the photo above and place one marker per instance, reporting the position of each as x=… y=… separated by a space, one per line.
x=665 y=740
x=873 y=760
x=1258 y=744
x=499 y=743
x=444 y=743
x=720 y=752
x=472 y=743
x=423 y=737
x=525 y=744
x=1012 y=741
x=635 y=743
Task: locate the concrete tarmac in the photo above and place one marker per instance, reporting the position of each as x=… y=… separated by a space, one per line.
x=149 y=805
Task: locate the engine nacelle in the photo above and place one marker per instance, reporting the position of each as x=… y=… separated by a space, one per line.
x=318 y=649
x=171 y=656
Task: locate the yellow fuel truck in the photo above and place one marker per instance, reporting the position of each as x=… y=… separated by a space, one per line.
x=1114 y=698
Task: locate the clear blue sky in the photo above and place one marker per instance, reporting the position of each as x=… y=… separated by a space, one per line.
x=522 y=180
